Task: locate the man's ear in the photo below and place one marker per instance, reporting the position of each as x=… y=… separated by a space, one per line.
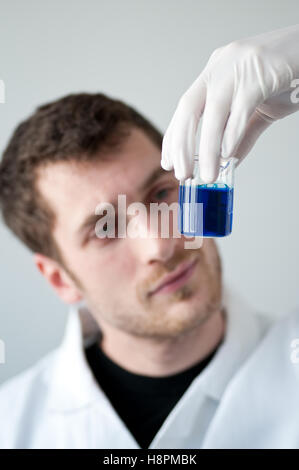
x=58 y=278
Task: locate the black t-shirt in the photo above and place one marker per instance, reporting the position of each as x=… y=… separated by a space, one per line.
x=142 y=402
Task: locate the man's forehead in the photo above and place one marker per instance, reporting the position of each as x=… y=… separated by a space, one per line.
x=71 y=181
x=74 y=189
x=130 y=160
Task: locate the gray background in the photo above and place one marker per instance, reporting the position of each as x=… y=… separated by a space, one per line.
x=146 y=53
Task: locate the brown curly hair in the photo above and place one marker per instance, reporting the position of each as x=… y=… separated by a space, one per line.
x=77 y=127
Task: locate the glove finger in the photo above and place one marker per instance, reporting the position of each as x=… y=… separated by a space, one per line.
x=179 y=145
x=242 y=109
x=214 y=119
x=166 y=161
x=184 y=150
x=257 y=124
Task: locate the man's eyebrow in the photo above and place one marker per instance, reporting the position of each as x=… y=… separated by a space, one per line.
x=159 y=171
x=88 y=222
x=92 y=219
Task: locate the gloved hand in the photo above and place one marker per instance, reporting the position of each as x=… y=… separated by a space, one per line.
x=245 y=86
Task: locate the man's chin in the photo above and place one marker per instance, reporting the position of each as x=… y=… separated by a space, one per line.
x=181 y=319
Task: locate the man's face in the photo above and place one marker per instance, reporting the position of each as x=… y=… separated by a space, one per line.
x=117 y=276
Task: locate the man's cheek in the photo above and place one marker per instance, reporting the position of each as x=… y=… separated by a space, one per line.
x=124 y=266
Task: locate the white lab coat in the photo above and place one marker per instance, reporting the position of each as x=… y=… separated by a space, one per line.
x=262 y=402
x=57 y=403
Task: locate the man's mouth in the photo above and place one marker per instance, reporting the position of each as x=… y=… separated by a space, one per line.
x=175 y=280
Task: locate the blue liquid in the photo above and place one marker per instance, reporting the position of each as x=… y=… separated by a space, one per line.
x=217 y=210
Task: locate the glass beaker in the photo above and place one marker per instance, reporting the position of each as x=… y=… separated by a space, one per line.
x=206 y=210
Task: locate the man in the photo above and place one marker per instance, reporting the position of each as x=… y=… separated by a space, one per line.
x=154 y=338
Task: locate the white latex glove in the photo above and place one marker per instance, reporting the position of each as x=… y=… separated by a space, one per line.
x=245 y=86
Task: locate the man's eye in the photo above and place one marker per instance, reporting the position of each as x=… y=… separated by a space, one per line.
x=162 y=194
x=93 y=235
x=169 y=193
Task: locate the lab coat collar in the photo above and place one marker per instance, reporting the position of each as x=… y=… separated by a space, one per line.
x=73 y=386
x=243 y=331
x=71 y=382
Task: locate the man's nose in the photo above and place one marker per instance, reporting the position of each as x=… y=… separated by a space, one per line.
x=156 y=249
x=154 y=244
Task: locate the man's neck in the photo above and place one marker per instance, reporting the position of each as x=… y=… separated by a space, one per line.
x=147 y=356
